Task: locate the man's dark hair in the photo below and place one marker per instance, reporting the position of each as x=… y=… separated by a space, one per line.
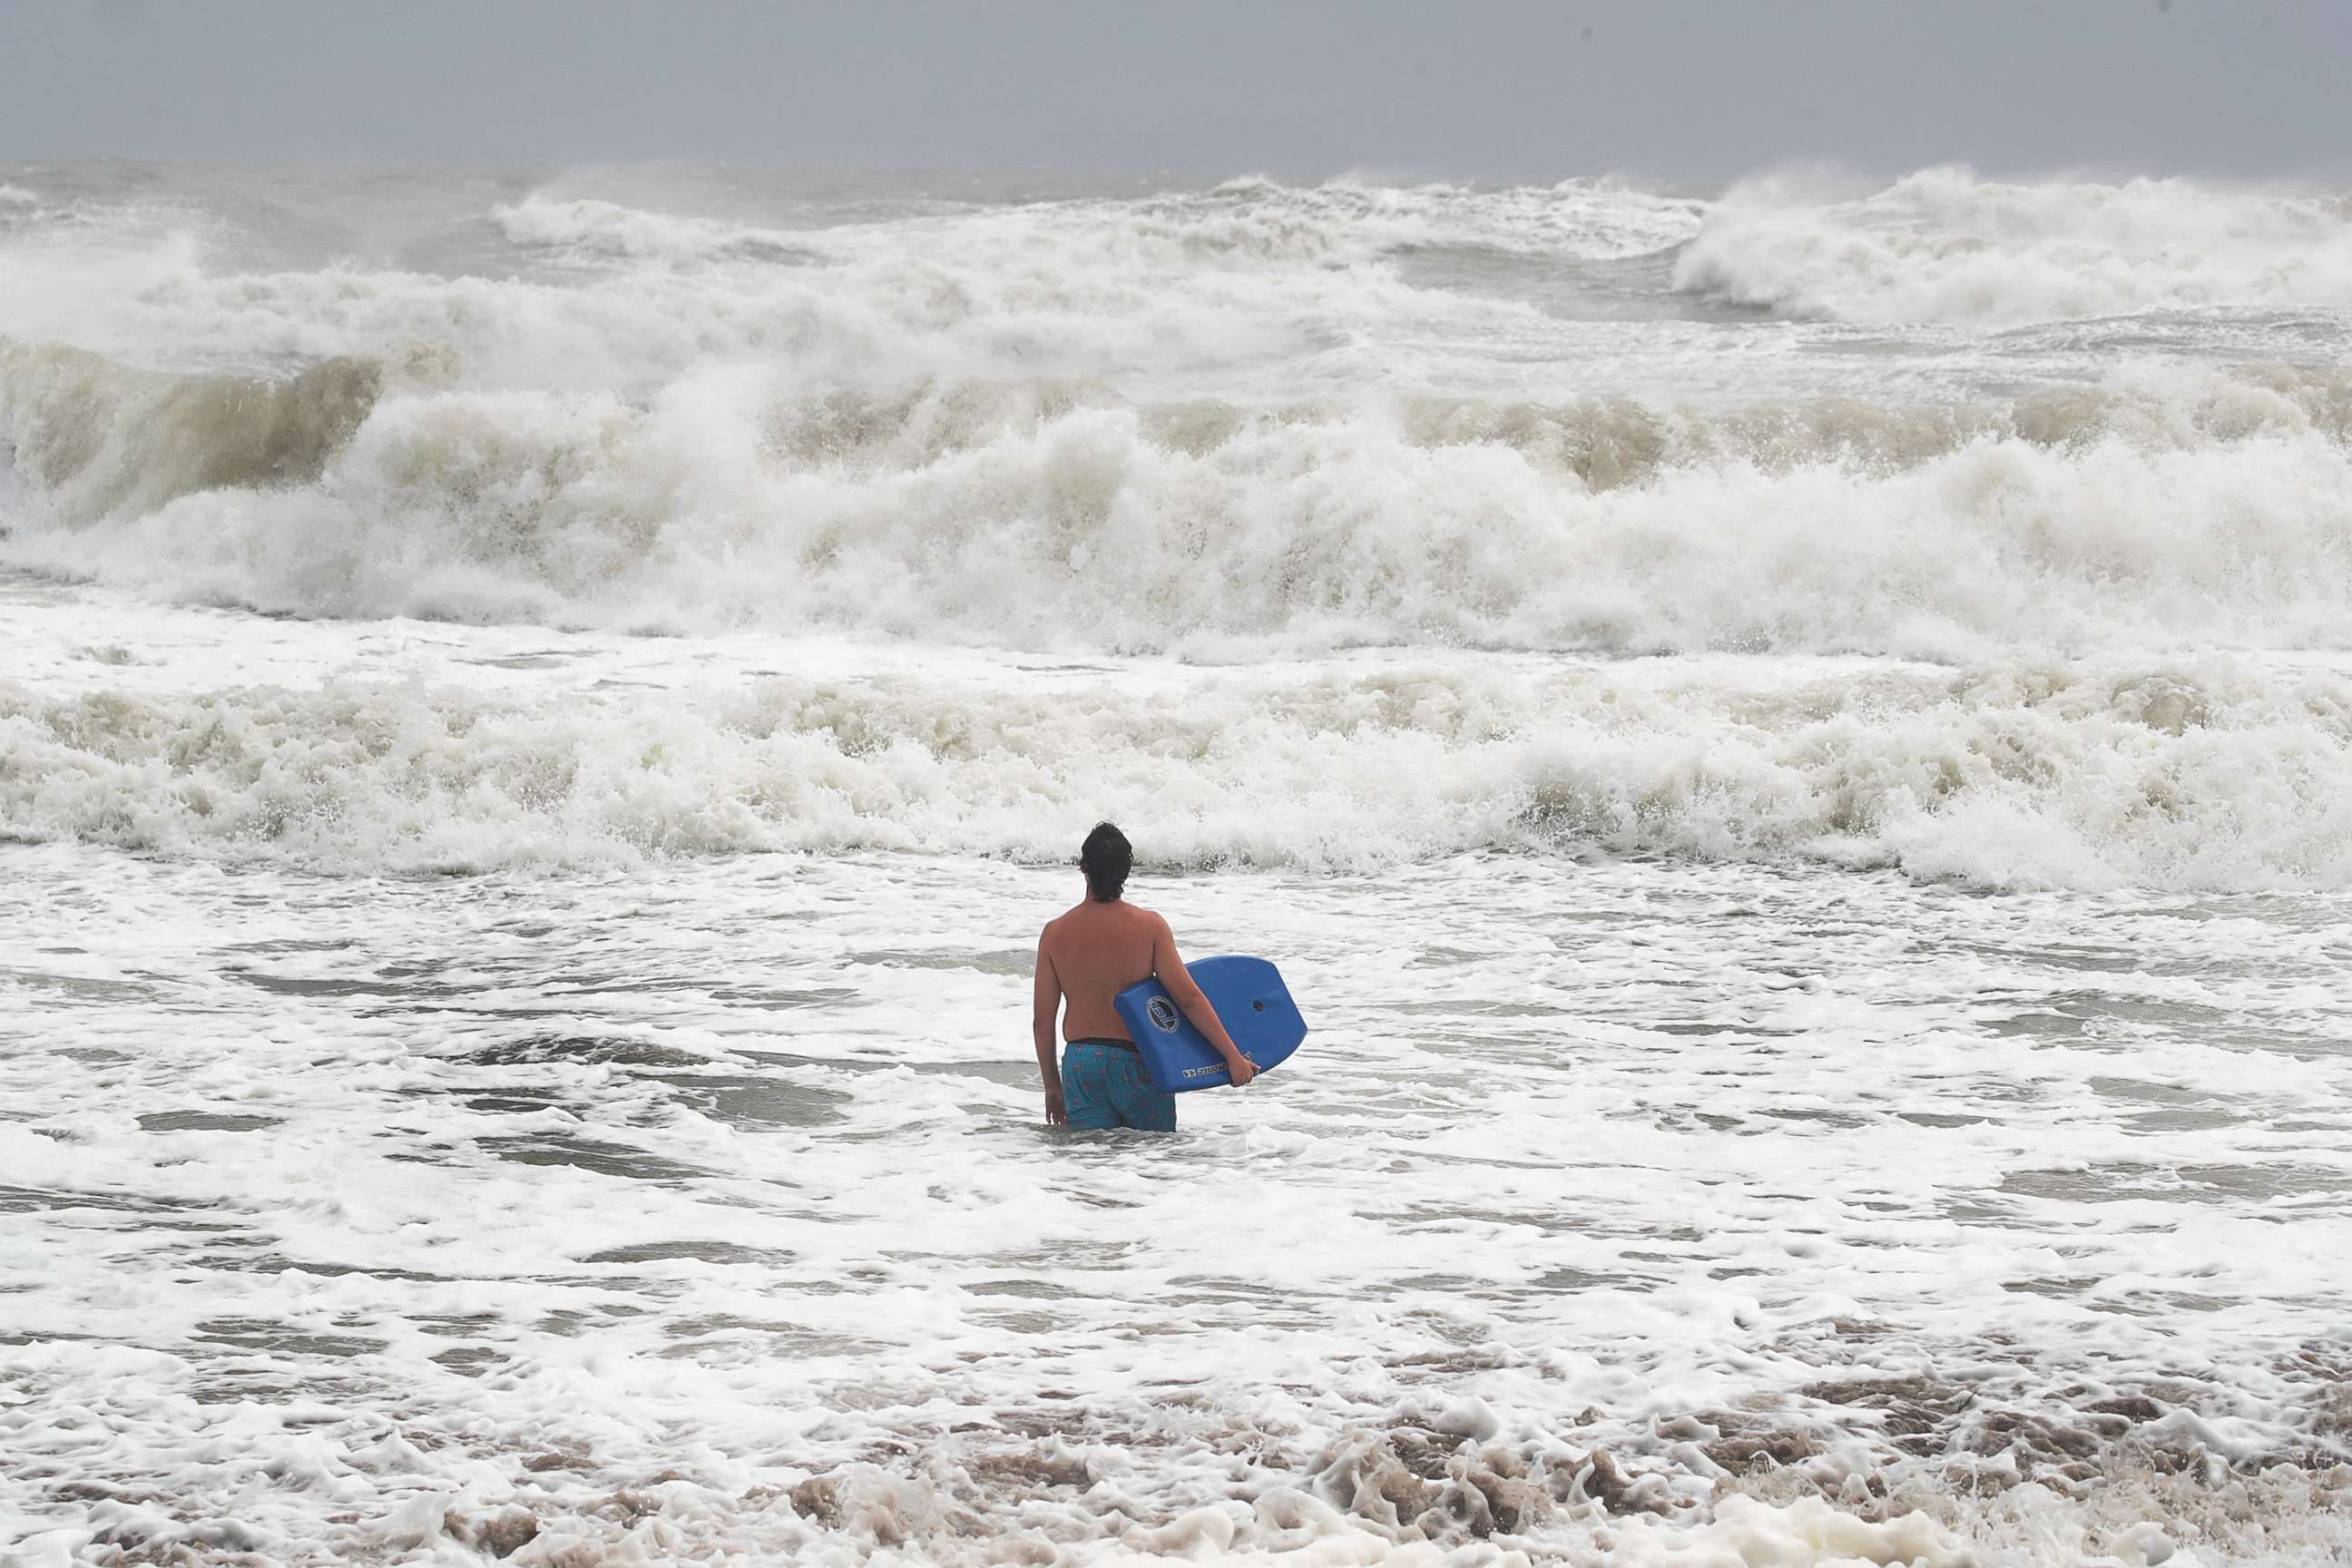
x=1107 y=860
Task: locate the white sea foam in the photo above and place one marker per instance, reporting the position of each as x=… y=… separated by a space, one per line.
x=1243 y=224
x=1864 y=1085
x=2202 y=775
x=1152 y=293
x=2177 y=512
x=706 y=1216
x=1947 y=246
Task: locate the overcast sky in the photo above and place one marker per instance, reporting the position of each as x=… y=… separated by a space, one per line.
x=1496 y=87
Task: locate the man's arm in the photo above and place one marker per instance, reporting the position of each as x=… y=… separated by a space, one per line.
x=1042 y=1012
x=1169 y=966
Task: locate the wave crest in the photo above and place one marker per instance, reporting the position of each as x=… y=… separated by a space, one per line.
x=2200 y=776
x=1945 y=246
x=100 y=437
x=2160 y=514
x=1251 y=222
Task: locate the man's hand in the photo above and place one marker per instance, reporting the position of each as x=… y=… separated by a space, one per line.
x=1056 y=1116
x=1241 y=1069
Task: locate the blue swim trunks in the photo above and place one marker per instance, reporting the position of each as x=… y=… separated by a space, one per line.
x=1103 y=1085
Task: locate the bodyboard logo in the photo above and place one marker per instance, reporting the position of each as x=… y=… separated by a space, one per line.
x=1163 y=1015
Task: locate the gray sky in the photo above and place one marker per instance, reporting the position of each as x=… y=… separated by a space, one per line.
x=1471 y=87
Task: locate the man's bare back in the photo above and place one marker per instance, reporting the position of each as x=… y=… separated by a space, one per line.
x=1091 y=953
x=1098 y=951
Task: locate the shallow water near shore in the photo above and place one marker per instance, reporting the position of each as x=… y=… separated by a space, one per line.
x=714 y=1210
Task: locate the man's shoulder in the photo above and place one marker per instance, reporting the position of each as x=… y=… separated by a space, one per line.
x=1060 y=922
x=1077 y=914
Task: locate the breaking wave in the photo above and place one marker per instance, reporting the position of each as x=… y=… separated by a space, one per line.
x=1248 y=423
x=2162 y=512
x=1945 y=246
x=100 y=438
x=1246 y=223
x=2204 y=775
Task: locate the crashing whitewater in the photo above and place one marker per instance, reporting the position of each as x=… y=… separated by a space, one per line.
x=1798 y=736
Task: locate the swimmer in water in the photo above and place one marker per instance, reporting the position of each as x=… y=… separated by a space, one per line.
x=1087 y=956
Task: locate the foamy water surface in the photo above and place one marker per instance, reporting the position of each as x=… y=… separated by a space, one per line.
x=1791 y=741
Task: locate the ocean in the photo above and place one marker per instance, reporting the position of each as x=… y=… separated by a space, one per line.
x=1793 y=741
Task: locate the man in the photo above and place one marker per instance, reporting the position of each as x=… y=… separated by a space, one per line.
x=1088 y=956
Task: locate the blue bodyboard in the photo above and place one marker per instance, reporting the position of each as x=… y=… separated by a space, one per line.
x=1251 y=1002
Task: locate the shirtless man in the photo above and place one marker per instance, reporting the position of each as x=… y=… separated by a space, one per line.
x=1088 y=956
